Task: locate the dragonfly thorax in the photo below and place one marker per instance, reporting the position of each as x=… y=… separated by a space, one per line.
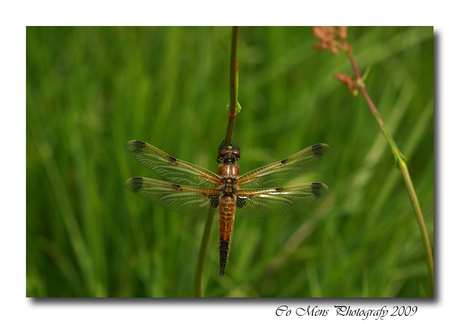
x=229 y=171
x=229 y=174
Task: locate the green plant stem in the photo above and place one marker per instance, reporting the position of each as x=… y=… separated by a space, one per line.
x=204 y=246
x=233 y=88
x=401 y=162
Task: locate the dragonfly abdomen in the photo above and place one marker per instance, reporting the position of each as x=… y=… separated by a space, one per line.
x=226 y=217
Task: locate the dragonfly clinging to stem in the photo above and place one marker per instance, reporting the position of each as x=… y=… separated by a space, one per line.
x=196 y=191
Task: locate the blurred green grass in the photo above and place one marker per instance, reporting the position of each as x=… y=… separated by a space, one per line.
x=92 y=89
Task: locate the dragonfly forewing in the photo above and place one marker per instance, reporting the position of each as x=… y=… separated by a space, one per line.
x=280 y=172
x=170 y=168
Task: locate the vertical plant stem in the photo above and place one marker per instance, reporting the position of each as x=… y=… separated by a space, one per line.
x=233 y=87
x=204 y=246
x=401 y=162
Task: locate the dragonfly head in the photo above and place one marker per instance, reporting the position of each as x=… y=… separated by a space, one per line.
x=228 y=155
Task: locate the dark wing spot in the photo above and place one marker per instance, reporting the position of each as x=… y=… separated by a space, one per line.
x=320 y=149
x=214 y=201
x=284 y=161
x=176 y=186
x=240 y=202
x=172 y=159
x=136 y=184
x=317 y=188
x=279 y=189
x=139 y=146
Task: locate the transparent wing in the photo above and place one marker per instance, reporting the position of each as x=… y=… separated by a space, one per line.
x=183 y=200
x=278 y=201
x=280 y=172
x=170 y=168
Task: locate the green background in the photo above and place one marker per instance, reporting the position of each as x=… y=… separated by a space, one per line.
x=92 y=89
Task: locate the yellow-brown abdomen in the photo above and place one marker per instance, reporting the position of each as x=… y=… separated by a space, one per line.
x=226 y=217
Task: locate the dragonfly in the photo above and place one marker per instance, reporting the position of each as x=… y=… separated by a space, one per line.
x=196 y=191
